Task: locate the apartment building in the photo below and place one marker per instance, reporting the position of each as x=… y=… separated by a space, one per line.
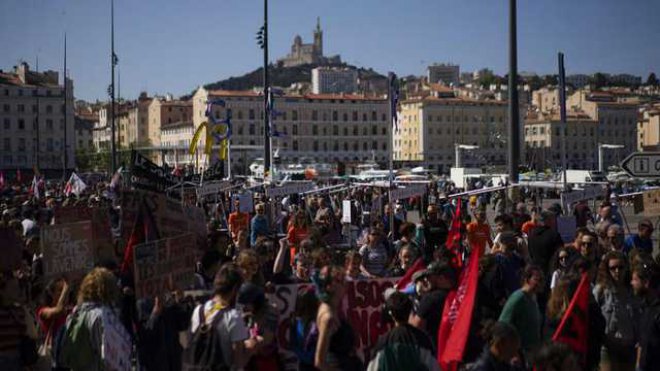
x=33 y=117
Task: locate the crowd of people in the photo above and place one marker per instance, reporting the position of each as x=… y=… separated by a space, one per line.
x=227 y=319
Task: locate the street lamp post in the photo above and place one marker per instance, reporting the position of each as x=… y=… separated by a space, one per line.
x=457 y=153
x=262 y=40
x=601 y=147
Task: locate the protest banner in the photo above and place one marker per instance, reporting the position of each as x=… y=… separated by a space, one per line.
x=67 y=249
x=171 y=218
x=116 y=347
x=148 y=176
x=289 y=189
x=362 y=307
x=11 y=249
x=212 y=188
x=408 y=192
x=566 y=225
x=651 y=203
x=164 y=265
x=101 y=228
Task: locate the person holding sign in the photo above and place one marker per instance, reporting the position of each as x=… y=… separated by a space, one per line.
x=238 y=221
x=259 y=224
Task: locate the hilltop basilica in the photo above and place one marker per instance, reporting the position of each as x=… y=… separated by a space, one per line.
x=308 y=53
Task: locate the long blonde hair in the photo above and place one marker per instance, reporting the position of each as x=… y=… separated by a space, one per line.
x=98 y=286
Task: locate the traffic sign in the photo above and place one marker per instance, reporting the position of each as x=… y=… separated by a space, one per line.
x=642 y=164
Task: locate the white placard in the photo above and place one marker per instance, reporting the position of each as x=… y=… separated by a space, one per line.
x=346 y=211
x=566 y=227
x=212 y=187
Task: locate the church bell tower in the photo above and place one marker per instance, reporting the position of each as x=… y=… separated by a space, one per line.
x=318 y=38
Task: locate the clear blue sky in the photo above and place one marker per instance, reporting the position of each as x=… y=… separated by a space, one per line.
x=175 y=45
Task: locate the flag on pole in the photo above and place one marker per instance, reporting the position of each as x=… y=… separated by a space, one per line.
x=394 y=99
x=407 y=278
x=144 y=230
x=2 y=180
x=453 y=243
x=457 y=315
x=74 y=185
x=34 y=187
x=573 y=329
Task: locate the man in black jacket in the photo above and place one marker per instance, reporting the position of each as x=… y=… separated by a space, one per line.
x=649 y=344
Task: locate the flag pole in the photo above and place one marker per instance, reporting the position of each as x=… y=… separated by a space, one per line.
x=390 y=146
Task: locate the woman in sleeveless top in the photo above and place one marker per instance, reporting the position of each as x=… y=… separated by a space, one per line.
x=336 y=345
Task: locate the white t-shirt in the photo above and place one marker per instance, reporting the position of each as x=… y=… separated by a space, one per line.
x=231 y=326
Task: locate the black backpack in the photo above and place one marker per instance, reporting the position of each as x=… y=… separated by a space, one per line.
x=204 y=353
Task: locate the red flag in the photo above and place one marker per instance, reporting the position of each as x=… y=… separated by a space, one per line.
x=457 y=315
x=574 y=327
x=144 y=230
x=407 y=278
x=454 y=236
x=2 y=180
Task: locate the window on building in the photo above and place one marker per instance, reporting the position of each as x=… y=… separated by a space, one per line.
x=294 y=115
x=21 y=108
x=345 y=117
x=325 y=147
x=384 y=131
x=335 y=146
x=364 y=117
x=335 y=116
x=355 y=130
x=294 y=129
x=49 y=124
x=21 y=144
x=315 y=145
x=355 y=116
x=240 y=114
x=49 y=109
x=315 y=130
x=345 y=131
x=345 y=146
x=364 y=131
x=7 y=146
x=295 y=145
x=21 y=124
x=315 y=115
x=374 y=116
x=251 y=129
x=7 y=123
x=335 y=130
x=325 y=116
x=6 y=108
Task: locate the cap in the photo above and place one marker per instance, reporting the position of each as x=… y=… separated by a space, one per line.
x=645 y=223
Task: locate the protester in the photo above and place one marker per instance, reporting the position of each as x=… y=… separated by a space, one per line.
x=642 y=284
x=220 y=316
x=261 y=319
x=620 y=311
x=436 y=281
x=238 y=221
x=297 y=232
x=335 y=349
x=502 y=347
x=303 y=333
x=522 y=310
x=544 y=241
x=478 y=231
x=642 y=239
x=208 y=267
x=435 y=232
x=582 y=214
x=509 y=263
x=403 y=347
x=562 y=264
x=259 y=224
x=556 y=357
x=353 y=264
x=18 y=348
x=404 y=260
x=375 y=256
x=82 y=343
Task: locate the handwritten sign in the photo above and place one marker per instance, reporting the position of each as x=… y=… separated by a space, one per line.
x=116 y=343
x=11 y=249
x=289 y=189
x=101 y=229
x=148 y=176
x=212 y=188
x=651 y=203
x=165 y=265
x=67 y=249
x=171 y=218
x=408 y=192
x=346 y=211
x=362 y=307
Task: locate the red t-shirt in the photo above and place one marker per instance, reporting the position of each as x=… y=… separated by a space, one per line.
x=479 y=234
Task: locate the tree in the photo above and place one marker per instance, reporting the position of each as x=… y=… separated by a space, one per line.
x=598 y=80
x=652 y=80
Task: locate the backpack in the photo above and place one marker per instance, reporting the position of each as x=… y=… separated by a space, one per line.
x=204 y=353
x=73 y=346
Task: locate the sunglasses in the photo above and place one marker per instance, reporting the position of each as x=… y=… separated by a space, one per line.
x=587 y=243
x=616 y=268
x=563 y=257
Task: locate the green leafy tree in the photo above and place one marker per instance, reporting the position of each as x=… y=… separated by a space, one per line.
x=652 y=80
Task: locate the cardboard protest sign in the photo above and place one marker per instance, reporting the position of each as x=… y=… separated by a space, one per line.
x=346 y=211
x=164 y=265
x=652 y=203
x=67 y=249
x=362 y=307
x=101 y=229
x=213 y=187
x=289 y=189
x=11 y=249
x=171 y=218
x=408 y=192
x=148 y=176
x=116 y=348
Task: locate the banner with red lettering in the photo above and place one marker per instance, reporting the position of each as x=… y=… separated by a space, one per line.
x=457 y=315
x=362 y=308
x=574 y=327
